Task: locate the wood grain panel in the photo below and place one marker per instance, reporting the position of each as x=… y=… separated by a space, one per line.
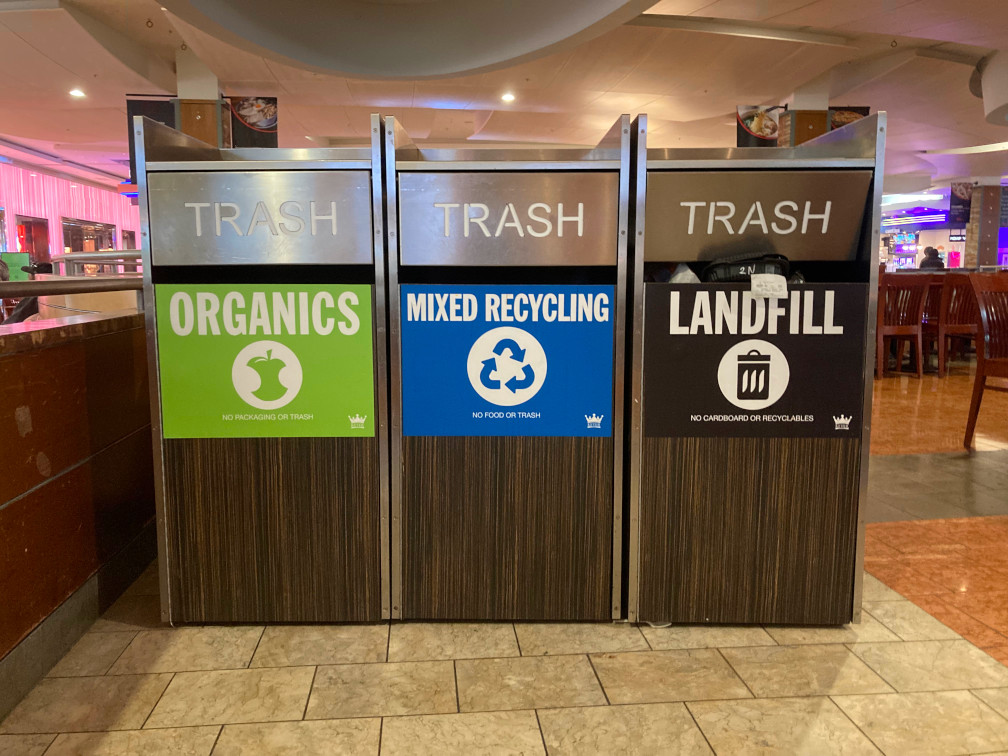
x=747 y=530
x=199 y=118
x=507 y=528
x=273 y=529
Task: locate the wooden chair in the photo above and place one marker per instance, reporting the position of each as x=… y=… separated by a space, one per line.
x=992 y=340
x=932 y=313
x=902 y=297
x=954 y=317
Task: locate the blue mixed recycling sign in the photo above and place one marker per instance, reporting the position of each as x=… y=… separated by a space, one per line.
x=520 y=360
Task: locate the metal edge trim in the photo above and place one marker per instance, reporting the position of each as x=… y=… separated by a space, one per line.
x=640 y=166
x=517 y=166
x=379 y=341
x=869 y=366
x=241 y=166
x=391 y=186
x=153 y=375
x=619 y=369
x=788 y=164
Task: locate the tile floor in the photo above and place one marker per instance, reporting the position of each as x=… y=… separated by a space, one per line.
x=938 y=486
x=900 y=682
x=924 y=672
x=955 y=570
x=911 y=416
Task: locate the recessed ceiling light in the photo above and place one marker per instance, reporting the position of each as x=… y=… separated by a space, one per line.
x=76 y=93
x=508 y=97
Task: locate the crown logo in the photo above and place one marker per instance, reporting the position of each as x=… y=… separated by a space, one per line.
x=842 y=422
x=594 y=421
x=356 y=421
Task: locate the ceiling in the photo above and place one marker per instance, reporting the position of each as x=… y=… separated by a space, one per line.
x=425 y=38
x=686 y=63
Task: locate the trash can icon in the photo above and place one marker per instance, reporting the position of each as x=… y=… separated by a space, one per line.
x=753 y=375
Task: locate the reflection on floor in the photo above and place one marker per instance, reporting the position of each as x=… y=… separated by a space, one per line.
x=957 y=570
x=900 y=682
x=911 y=416
x=930 y=486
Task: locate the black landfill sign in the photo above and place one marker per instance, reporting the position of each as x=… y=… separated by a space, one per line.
x=731 y=365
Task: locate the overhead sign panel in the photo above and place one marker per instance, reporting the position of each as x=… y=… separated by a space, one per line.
x=255 y=218
x=803 y=215
x=506 y=218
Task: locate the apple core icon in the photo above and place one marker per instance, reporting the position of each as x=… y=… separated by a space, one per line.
x=267 y=375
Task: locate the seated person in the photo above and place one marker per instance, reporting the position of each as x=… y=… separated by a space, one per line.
x=931 y=260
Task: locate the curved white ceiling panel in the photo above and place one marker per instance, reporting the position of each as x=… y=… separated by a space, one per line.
x=412 y=39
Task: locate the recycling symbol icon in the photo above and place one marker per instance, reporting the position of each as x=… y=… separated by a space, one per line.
x=507 y=366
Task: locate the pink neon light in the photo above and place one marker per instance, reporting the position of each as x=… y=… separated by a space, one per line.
x=50 y=197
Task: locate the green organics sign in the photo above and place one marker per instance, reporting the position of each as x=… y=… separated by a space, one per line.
x=265 y=360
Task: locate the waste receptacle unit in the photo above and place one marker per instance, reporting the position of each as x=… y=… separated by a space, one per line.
x=750 y=402
x=264 y=284
x=506 y=310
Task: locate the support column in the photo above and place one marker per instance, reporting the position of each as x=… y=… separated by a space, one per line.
x=199 y=104
x=984 y=224
x=806 y=117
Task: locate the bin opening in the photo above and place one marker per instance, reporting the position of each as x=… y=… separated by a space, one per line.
x=809 y=271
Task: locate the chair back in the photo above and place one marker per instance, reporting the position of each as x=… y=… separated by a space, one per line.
x=933 y=301
x=959 y=305
x=992 y=300
x=902 y=297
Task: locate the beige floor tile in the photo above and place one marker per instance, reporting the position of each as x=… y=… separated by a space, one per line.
x=526 y=683
x=130 y=613
x=320 y=738
x=188 y=649
x=92 y=655
x=705 y=636
x=996 y=698
x=380 y=690
x=497 y=733
x=797 y=726
x=295 y=645
x=428 y=641
x=927 y=724
x=233 y=697
x=578 y=638
x=633 y=729
x=24 y=745
x=181 y=741
x=868 y=630
x=933 y=665
x=803 y=671
x=873 y=589
x=86 y=704
x=909 y=621
x=665 y=676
